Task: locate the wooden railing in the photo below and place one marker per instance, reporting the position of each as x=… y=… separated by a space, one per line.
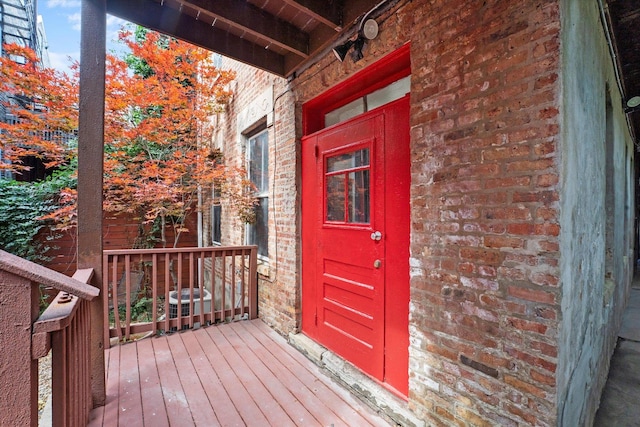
x=65 y=328
x=155 y=291
x=24 y=338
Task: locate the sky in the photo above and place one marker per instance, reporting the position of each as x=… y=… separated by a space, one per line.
x=62 y=26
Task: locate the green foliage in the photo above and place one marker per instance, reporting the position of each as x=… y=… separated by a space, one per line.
x=22 y=204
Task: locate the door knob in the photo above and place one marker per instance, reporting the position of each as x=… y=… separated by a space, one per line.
x=377 y=263
x=376 y=235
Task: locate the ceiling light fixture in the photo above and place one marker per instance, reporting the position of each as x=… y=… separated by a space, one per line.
x=633 y=102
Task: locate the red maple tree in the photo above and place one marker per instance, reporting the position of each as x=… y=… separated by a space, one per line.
x=39 y=107
x=158 y=160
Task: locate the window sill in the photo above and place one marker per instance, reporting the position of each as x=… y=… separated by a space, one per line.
x=263 y=268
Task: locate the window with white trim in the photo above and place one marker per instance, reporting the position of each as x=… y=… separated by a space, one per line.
x=258 y=170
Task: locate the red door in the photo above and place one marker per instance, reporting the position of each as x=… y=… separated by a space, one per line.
x=355 y=241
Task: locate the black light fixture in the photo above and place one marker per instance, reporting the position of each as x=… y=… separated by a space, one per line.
x=367 y=30
x=341 y=50
x=357 y=55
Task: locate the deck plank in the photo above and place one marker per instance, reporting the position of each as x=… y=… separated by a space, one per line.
x=242 y=401
x=223 y=407
x=274 y=413
x=299 y=414
x=129 y=393
x=348 y=408
x=237 y=374
x=154 y=410
x=112 y=388
x=172 y=392
x=302 y=385
x=199 y=405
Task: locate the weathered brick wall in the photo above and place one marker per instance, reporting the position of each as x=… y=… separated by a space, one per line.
x=484 y=195
x=278 y=286
x=485 y=297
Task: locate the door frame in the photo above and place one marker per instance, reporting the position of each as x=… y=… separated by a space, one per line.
x=389 y=69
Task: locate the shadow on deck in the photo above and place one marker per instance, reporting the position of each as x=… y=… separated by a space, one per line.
x=235 y=374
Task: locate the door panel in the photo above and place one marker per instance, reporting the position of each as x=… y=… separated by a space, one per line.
x=356 y=285
x=351 y=299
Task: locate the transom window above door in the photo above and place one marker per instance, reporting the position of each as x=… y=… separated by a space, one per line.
x=373 y=100
x=347 y=188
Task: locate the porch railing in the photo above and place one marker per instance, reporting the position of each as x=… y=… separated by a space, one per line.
x=25 y=337
x=65 y=328
x=155 y=291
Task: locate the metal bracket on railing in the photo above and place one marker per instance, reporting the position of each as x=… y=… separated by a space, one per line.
x=65 y=298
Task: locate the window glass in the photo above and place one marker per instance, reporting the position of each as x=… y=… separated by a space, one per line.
x=348 y=161
x=258 y=152
x=216 y=216
x=258 y=170
x=216 y=221
x=258 y=233
x=385 y=95
x=335 y=198
x=345 y=112
x=359 y=197
x=347 y=187
x=395 y=90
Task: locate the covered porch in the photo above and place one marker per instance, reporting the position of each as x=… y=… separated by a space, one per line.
x=233 y=374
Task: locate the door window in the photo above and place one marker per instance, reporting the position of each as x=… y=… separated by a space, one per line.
x=347 y=188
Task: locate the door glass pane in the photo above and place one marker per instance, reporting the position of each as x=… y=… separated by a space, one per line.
x=335 y=198
x=351 y=160
x=359 y=196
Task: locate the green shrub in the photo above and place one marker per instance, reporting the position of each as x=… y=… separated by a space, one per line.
x=22 y=204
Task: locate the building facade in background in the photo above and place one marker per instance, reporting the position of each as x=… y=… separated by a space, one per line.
x=20 y=24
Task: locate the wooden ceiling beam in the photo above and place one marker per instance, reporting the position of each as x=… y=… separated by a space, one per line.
x=152 y=15
x=328 y=13
x=253 y=20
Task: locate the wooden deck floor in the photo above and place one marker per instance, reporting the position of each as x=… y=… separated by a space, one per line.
x=235 y=374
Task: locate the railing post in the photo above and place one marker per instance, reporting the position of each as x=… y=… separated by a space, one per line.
x=19 y=373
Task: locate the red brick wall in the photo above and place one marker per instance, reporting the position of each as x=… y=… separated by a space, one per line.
x=278 y=285
x=484 y=237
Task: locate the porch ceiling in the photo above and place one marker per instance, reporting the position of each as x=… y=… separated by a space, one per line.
x=624 y=21
x=276 y=35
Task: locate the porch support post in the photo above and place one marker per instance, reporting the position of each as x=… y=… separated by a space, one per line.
x=90 y=167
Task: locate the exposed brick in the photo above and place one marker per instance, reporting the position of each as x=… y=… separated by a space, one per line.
x=503 y=242
x=532 y=294
x=524 y=387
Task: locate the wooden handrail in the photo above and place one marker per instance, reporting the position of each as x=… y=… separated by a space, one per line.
x=45 y=276
x=23 y=338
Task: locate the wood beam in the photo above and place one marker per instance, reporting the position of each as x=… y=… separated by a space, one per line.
x=166 y=20
x=327 y=12
x=253 y=20
x=93 y=41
